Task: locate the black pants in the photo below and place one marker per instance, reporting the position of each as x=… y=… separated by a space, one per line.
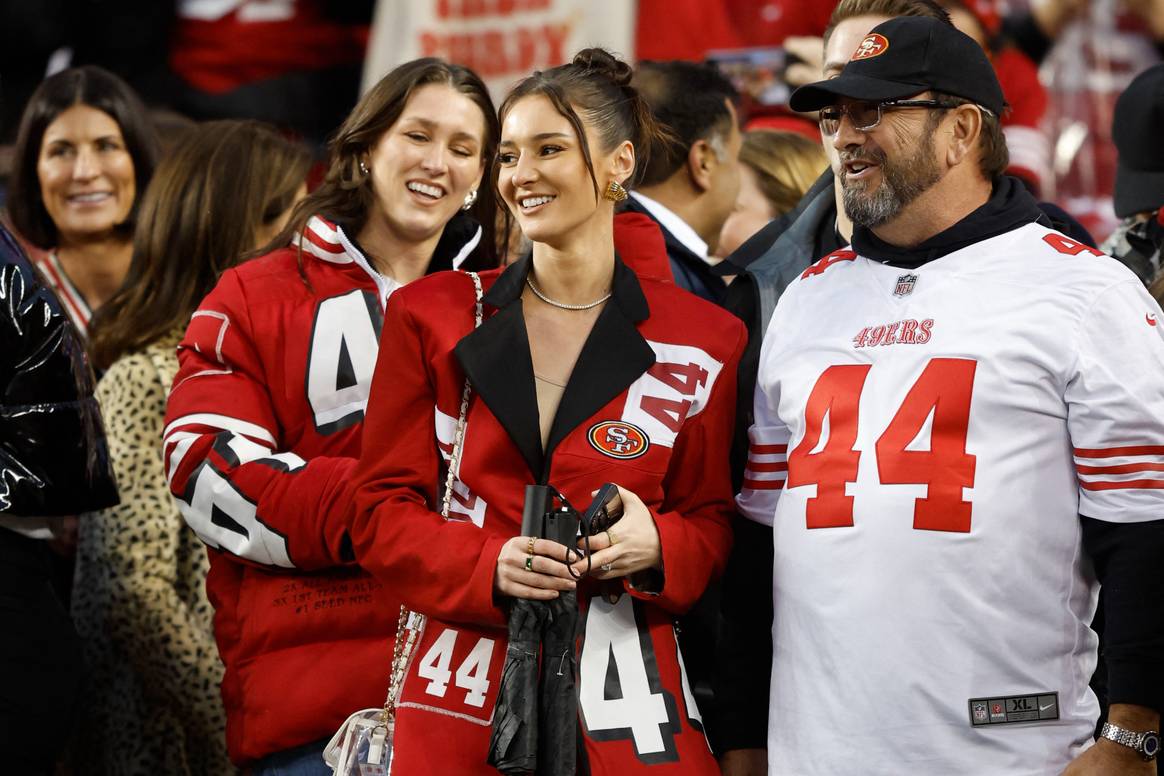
x=40 y=660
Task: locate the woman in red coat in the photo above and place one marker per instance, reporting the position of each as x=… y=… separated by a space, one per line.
x=581 y=374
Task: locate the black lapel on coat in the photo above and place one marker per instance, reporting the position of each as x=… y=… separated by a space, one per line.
x=496 y=358
x=613 y=357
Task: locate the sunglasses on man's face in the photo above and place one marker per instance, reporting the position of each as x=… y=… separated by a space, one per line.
x=866 y=115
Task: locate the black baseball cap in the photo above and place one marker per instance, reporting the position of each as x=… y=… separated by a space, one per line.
x=1139 y=115
x=903 y=57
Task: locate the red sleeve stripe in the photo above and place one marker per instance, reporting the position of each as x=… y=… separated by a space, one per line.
x=765 y=466
x=1125 y=485
x=765 y=484
x=767 y=449
x=1124 y=468
x=1116 y=452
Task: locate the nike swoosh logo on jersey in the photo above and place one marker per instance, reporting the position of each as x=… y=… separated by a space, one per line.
x=1044 y=708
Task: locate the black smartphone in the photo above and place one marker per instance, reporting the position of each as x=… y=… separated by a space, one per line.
x=597 y=517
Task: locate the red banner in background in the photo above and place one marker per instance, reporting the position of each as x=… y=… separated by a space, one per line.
x=502 y=40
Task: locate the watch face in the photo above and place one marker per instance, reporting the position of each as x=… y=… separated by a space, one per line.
x=1150 y=745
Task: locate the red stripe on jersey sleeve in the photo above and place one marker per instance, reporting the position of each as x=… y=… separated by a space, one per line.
x=767 y=449
x=764 y=466
x=1125 y=468
x=765 y=484
x=1115 y=452
x=1125 y=485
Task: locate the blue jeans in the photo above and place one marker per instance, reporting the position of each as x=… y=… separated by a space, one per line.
x=306 y=760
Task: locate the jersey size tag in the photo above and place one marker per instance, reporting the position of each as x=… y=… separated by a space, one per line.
x=1008 y=710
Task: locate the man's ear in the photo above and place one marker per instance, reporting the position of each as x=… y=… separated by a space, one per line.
x=966 y=127
x=701 y=163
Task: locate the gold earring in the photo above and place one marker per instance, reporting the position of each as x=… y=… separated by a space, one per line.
x=614 y=192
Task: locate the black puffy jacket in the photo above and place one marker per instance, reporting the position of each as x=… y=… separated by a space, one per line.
x=53 y=456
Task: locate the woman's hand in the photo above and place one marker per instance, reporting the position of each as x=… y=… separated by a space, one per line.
x=630 y=545
x=532 y=568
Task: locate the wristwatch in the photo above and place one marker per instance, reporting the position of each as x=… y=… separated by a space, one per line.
x=1146 y=744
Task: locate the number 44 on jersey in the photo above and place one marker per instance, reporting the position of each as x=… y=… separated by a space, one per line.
x=943 y=391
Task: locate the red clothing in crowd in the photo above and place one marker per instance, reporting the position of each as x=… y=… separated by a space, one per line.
x=649 y=406
x=218 y=47
x=263 y=429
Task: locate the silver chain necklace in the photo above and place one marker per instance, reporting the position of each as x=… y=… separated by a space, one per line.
x=562 y=305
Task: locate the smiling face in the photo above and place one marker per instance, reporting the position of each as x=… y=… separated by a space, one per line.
x=85 y=173
x=888 y=167
x=543 y=175
x=424 y=165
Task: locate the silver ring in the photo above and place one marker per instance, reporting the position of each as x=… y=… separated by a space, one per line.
x=606 y=566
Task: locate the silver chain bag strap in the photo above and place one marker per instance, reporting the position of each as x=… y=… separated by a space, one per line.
x=363 y=744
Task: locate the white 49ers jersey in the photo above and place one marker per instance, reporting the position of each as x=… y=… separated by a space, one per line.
x=924 y=443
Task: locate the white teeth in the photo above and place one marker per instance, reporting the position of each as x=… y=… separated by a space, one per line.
x=535 y=201
x=96 y=196
x=432 y=191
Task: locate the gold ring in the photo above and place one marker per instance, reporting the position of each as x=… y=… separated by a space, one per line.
x=610 y=537
x=529 y=563
x=529 y=545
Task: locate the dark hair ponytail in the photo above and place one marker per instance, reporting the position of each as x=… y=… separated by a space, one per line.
x=598 y=85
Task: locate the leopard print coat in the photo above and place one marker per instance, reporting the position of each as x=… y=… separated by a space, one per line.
x=152 y=702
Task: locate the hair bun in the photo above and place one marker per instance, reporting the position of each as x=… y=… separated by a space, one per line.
x=599 y=60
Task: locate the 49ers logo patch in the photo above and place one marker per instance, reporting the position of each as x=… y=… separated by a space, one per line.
x=618 y=439
x=874 y=45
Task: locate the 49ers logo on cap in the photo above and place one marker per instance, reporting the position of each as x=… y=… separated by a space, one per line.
x=618 y=439
x=874 y=45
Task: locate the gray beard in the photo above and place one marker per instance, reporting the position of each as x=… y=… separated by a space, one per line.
x=901 y=183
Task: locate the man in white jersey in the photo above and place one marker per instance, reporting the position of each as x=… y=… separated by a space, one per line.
x=959 y=434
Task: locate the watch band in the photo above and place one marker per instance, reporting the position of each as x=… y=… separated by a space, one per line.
x=1146 y=744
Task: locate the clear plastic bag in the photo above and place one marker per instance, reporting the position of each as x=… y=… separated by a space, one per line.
x=362 y=746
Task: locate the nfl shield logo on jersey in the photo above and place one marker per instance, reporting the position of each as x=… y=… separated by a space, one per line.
x=905 y=284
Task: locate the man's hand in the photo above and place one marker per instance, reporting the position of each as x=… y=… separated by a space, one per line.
x=744 y=762
x=1107 y=758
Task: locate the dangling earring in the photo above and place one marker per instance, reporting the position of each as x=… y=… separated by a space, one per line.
x=470 y=198
x=363 y=168
x=614 y=192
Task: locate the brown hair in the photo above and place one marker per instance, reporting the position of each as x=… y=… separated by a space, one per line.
x=346 y=196
x=597 y=85
x=847 y=9
x=993 y=155
x=691 y=100
x=96 y=88
x=202 y=212
x=785 y=163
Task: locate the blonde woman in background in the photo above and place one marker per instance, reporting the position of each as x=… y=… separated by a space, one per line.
x=776 y=168
x=140 y=606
